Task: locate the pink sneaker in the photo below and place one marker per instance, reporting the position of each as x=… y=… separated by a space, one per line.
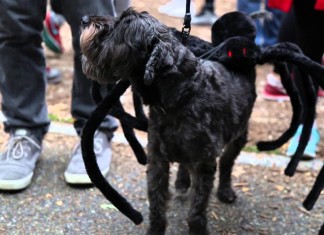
x=320 y=93
x=274 y=90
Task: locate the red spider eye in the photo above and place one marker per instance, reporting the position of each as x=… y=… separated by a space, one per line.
x=229 y=53
x=244 y=51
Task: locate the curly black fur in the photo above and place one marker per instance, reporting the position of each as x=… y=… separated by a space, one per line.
x=196 y=108
x=170 y=80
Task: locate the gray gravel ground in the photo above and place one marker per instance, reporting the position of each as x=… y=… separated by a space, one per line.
x=268 y=202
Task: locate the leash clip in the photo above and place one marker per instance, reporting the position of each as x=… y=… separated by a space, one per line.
x=186 y=26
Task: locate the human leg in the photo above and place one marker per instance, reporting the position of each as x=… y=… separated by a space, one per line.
x=121 y=5
x=22 y=85
x=82 y=104
x=271 y=27
x=207 y=14
x=249 y=6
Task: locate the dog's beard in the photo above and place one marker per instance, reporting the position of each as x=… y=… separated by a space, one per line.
x=87 y=35
x=100 y=74
x=92 y=67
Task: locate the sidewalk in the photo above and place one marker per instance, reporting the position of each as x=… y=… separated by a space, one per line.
x=268 y=202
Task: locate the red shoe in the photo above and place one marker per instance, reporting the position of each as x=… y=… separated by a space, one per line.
x=274 y=90
x=320 y=93
x=51 y=34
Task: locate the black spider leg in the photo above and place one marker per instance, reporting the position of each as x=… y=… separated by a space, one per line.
x=297 y=107
x=279 y=53
x=314 y=194
x=90 y=160
x=137 y=123
x=131 y=137
x=321 y=232
x=283 y=52
x=138 y=107
x=127 y=122
x=310 y=98
x=122 y=116
x=315 y=191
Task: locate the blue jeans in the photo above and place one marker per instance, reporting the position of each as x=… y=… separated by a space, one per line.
x=22 y=63
x=267 y=30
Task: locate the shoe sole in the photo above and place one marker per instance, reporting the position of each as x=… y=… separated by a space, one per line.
x=81 y=178
x=16 y=184
x=56 y=80
x=275 y=98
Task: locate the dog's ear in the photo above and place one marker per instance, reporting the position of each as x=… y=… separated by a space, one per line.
x=160 y=52
x=151 y=64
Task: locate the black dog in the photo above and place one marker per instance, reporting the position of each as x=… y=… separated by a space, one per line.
x=198 y=109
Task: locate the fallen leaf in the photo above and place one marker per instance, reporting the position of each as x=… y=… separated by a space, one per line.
x=108 y=206
x=245 y=189
x=302 y=209
x=59 y=203
x=238 y=170
x=214 y=215
x=240 y=184
x=279 y=187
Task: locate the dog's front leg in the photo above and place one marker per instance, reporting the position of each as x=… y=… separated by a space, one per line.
x=158 y=192
x=225 y=193
x=203 y=181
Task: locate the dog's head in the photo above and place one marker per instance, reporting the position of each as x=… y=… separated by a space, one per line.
x=116 y=48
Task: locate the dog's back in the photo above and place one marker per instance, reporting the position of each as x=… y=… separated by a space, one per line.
x=202 y=111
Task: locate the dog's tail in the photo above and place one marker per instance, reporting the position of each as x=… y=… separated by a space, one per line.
x=89 y=157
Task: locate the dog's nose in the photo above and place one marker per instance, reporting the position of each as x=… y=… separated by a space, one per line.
x=85 y=20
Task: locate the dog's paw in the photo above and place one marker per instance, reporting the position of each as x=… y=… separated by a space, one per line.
x=151 y=231
x=200 y=232
x=198 y=225
x=226 y=195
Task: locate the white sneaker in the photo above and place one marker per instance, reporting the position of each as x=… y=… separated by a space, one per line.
x=204 y=18
x=176 y=8
x=76 y=173
x=17 y=163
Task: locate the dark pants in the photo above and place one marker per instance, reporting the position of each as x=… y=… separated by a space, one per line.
x=22 y=63
x=267 y=30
